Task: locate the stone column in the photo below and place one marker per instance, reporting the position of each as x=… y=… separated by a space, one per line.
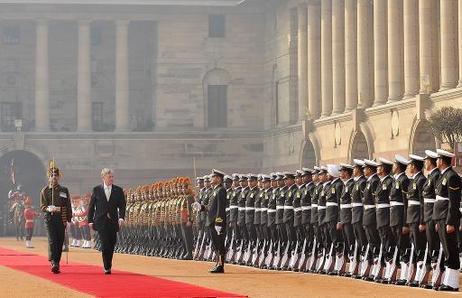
x=302 y=61
x=84 y=78
x=351 y=73
x=460 y=42
x=448 y=45
x=42 y=114
x=121 y=97
x=380 y=53
x=326 y=57
x=338 y=55
x=395 y=50
x=411 y=48
x=365 y=59
x=428 y=46
x=314 y=58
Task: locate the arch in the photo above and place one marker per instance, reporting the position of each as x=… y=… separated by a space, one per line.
x=359 y=146
x=309 y=156
x=421 y=137
x=30 y=174
x=215 y=86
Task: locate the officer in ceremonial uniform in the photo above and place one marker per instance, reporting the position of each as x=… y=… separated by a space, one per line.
x=446 y=214
x=228 y=182
x=241 y=208
x=308 y=188
x=288 y=215
x=55 y=202
x=399 y=229
x=429 y=198
x=250 y=208
x=216 y=219
x=357 y=211
x=345 y=226
x=415 y=217
x=271 y=196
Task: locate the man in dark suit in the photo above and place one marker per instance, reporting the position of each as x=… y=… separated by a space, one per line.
x=106 y=215
x=216 y=219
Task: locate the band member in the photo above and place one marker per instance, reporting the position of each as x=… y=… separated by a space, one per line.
x=29 y=215
x=216 y=219
x=447 y=215
x=56 y=204
x=106 y=214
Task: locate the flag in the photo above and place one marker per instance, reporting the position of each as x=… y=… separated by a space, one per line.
x=12 y=173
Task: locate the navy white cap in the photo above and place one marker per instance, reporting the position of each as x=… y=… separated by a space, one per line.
x=415 y=157
x=251 y=176
x=288 y=175
x=227 y=177
x=298 y=173
x=306 y=171
x=333 y=170
x=401 y=159
x=345 y=166
x=384 y=162
x=370 y=163
x=217 y=173
x=236 y=176
x=266 y=177
x=200 y=178
x=358 y=162
x=444 y=153
x=430 y=154
x=242 y=178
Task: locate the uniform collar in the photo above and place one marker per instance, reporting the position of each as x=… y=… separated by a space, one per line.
x=357 y=178
x=444 y=170
x=398 y=175
x=371 y=176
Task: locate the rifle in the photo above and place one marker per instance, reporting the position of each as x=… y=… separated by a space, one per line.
x=277 y=257
x=261 y=257
x=200 y=255
x=254 y=254
x=436 y=268
x=391 y=268
x=303 y=259
x=230 y=253
x=247 y=254
x=311 y=263
x=378 y=268
x=353 y=262
x=285 y=258
x=421 y=270
x=365 y=265
x=293 y=263
x=239 y=254
x=329 y=264
x=412 y=267
x=269 y=256
x=340 y=262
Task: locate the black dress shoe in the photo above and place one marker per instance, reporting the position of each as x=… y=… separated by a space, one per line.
x=400 y=282
x=218 y=269
x=447 y=289
x=107 y=271
x=55 y=269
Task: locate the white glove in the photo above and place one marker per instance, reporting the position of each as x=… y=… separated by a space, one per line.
x=121 y=221
x=218 y=229
x=51 y=208
x=196 y=206
x=57 y=208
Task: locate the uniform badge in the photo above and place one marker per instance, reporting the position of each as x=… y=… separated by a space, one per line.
x=384 y=187
x=63 y=195
x=346 y=189
x=290 y=193
x=397 y=185
x=357 y=187
x=298 y=195
x=251 y=196
x=368 y=186
x=414 y=185
x=333 y=190
x=445 y=181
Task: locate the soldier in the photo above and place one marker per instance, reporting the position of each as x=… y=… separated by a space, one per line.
x=288 y=215
x=369 y=217
x=29 y=215
x=56 y=205
x=271 y=196
x=429 y=197
x=446 y=214
x=307 y=190
x=398 y=201
x=314 y=219
x=415 y=217
x=216 y=219
x=250 y=213
x=228 y=182
x=233 y=215
x=326 y=241
x=357 y=211
x=297 y=223
x=344 y=225
x=241 y=215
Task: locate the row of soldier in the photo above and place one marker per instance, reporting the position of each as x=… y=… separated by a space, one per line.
x=159 y=220
x=381 y=221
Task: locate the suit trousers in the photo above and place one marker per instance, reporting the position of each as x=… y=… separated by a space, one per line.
x=450 y=248
x=55 y=230
x=108 y=235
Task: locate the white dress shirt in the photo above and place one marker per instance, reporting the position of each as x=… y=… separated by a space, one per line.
x=107 y=191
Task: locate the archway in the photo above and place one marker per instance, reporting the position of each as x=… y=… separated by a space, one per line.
x=30 y=174
x=422 y=139
x=308 y=158
x=359 y=148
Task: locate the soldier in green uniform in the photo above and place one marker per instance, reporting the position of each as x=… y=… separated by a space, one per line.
x=56 y=204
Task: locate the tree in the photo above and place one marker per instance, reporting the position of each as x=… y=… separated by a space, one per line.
x=446 y=125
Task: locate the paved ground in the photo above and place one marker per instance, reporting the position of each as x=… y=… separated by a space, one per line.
x=238 y=279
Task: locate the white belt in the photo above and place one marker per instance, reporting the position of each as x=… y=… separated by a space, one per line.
x=383 y=205
x=413 y=203
x=331 y=204
x=429 y=201
x=263 y=209
x=356 y=204
x=345 y=206
x=257 y=209
x=233 y=207
x=321 y=207
x=289 y=207
x=394 y=203
x=279 y=207
x=314 y=205
x=271 y=210
x=367 y=207
x=249 y=208
x=298 y=209
x=460 y=209
x=440 y=198
x=227 y=209
x=306 y=208
x=241 y=208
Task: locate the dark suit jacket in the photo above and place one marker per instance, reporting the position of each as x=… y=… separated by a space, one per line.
x=102 y=211
x=216 y=214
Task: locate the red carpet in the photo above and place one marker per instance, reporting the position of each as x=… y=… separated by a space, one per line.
x=90 y=279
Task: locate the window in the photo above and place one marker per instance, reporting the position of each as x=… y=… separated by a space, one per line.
x=217 y=106
x=97 y=116
x=217 y=26
x=9 y=112
x=11 y=35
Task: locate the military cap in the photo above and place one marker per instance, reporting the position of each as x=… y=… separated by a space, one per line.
x=228 y=178
x=444 y=153
x=430 y=154
x=251 y=176
x=333 y=170
x=243 y=178
x=288 y=175
x=370 y=163
x=266 y=177
x=402 y=160
x=345 y=167
x=358 y=162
